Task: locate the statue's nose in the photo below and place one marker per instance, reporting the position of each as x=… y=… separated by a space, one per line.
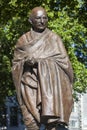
x=42 y=20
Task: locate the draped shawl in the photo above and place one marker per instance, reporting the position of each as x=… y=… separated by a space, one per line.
x=46 y=89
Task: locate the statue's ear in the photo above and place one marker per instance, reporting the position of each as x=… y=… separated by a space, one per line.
x=30 y=20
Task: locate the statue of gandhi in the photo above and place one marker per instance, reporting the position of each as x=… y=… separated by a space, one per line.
x=43 y=76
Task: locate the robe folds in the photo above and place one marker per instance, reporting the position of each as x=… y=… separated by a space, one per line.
x=43 y=90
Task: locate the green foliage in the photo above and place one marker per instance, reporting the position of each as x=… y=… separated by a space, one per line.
x=66 y=18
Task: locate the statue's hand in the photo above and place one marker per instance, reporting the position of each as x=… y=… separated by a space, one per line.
x=31 y=61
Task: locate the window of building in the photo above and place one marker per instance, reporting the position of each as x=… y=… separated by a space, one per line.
x=73 y=109
x=3 y=121
x=73 y=123
x=14 y=116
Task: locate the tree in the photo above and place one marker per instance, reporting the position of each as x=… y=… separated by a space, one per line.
x=66 y=18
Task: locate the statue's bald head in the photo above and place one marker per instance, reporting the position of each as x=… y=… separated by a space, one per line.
x=38 y=18
x=37 y=9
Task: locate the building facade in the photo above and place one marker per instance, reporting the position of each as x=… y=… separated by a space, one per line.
x=78 y=118
x=10 y=115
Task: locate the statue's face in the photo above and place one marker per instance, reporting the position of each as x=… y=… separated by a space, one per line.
x=39 y=20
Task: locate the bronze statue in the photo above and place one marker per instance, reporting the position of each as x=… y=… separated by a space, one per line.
x=43 y=76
